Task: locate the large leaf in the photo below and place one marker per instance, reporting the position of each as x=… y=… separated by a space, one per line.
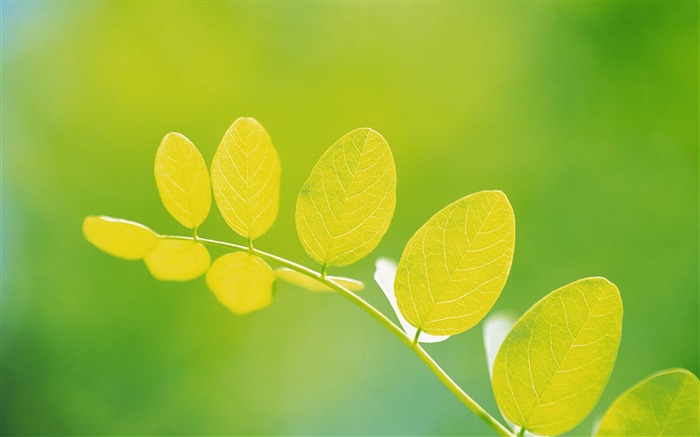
x=384 y=274
x=182 y=180
x=454 y=268
x=555 y=362
x=120 y=238
x=177 y=260
x=664 y=404
x=346 y=204
x=242 y=282
x=311 y=284
x=245 y=174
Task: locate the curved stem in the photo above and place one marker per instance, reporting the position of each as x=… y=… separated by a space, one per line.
x=378 y=316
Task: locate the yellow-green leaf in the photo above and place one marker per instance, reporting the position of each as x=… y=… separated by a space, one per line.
x=242 y=282
x=303 y=281
x=455 y=267
x=346 y=204
x=182 y=180
x=117 y=237
x=245 y=174
x=177 y=260
x=664 y=404
x=555 y=362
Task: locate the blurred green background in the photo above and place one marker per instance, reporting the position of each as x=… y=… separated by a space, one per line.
x=585 y=114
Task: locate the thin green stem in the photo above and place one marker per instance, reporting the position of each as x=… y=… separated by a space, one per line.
x=379 y=317
x=417 y=336
x=521 y=433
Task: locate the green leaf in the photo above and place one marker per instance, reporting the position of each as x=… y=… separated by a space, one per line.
x=177 y=260
x=555 y=362
x=120 y=238
x=245 y=174
x=346 y=205
x=664 y=404
x=182 y=180
x=455 y=267
x=303 y=281
x=242 y=282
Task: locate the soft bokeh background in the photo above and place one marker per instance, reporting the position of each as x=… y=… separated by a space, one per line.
x=585 y=114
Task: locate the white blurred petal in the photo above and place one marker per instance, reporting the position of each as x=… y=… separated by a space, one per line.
x=384 y=276
x=496 y=328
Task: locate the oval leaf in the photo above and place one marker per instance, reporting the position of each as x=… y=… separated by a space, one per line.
x=455 y=267
x=120 y=238
x=664 y=404
x=346 y=204
x=303 y=281
x=245 y=174
x=242 y=282
x=177 y=260
x=182 y=180
x=555 y=362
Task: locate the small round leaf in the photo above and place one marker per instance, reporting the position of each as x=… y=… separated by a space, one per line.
x=120 y=238
x=177 y=260
x=182 y=180
x=242 y=282
x=245 y=175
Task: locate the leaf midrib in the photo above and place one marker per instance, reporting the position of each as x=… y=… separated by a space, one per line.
x=539 y=397
x=332 y=229
x=672 y=410
x=450 y=274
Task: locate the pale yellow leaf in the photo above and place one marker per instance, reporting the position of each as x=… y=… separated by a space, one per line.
x=555 y=362
x=177 y=260
x=346 y=205
x=665 y=404
x=245 y=174
x=242 y=282
x=455 y=267
x=117 y=237
x=303 y=281
x=182 y=180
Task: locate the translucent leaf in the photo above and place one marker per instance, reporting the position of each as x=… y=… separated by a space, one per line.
x=303 y=281
x=454 y=268
x=117 y=237
x=664 y=404
x=177 y=260
x=346 y=204
x=245 y=174
x=555 y=362
x=242 y=282
x=182 y=180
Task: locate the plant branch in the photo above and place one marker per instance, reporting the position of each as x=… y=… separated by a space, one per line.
x=379 y=317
